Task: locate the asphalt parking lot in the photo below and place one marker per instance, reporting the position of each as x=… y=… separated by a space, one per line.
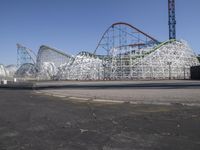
x=34 y=121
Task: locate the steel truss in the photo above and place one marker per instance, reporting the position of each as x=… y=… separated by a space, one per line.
x=123 y=44
x=25 y=55
x=172 y=19
x=123 y=53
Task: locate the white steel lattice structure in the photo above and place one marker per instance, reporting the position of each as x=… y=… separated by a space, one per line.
x=7 y=72
x=24 y=55
x=123 y=53
x=10 y=70
x=3 y=72
x=171 y=59
x=49 y=60
x=85 y=66
x=26 y=70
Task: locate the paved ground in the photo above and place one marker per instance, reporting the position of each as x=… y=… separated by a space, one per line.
x=156 y=92
x=31 y=121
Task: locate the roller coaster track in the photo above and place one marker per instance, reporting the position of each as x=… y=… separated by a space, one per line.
x=159 y=46
x=134 y=33
x=25 y=54
x=153 y=50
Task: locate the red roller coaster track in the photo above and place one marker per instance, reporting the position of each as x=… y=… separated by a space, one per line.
x=130 y=44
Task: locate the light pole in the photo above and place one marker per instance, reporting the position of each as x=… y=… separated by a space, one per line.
x=169 y=63
x=104 y=65
x=184 y=72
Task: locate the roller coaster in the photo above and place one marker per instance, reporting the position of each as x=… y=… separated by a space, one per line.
x=124 y=52
x=123 y=37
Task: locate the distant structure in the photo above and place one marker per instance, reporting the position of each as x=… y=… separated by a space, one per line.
x=25 y=55
x=123 y=52
x=172 y=19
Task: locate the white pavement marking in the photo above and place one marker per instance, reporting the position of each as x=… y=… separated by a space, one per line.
x=167 y=96
x=79 y=98
x=107 y=101
x=118 y=101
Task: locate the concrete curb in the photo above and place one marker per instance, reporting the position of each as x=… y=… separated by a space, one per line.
x=102 y=85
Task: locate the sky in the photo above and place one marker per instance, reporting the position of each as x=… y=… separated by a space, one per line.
x=76 y=25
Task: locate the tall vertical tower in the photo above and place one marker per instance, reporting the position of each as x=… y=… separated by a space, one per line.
x=172 y=19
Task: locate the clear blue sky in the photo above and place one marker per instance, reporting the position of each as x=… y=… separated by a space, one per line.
x=75 y=25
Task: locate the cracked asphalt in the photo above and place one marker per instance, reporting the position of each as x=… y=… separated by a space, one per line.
x=31 y=121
